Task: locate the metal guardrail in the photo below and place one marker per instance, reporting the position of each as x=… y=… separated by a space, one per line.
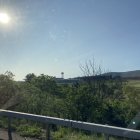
x=93 y=127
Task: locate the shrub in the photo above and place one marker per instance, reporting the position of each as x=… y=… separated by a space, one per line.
x=29 y=131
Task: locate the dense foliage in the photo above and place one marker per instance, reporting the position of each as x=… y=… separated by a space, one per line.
x=103 y=101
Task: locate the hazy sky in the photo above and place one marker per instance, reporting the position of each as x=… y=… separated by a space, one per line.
x=51 y=36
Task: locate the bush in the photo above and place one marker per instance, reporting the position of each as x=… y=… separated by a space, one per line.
x=69 y=134
x=29 y=131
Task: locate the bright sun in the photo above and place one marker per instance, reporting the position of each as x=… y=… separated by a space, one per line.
x=4 y=18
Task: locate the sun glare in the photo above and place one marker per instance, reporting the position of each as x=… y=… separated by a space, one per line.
x=4 y=18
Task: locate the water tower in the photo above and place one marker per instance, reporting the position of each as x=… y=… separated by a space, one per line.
x=62 y=75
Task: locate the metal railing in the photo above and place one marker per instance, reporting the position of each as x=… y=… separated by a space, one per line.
x=93 y=127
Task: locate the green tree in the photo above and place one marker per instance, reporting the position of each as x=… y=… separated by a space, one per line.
x=29 y=77
x=44 y=82
x=9 y=91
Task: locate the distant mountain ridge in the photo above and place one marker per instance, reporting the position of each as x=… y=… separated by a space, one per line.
x=128 y=74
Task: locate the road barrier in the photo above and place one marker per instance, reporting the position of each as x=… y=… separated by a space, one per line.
x=93 y=127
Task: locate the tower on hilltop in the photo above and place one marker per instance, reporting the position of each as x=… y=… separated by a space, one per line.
x=62 y=75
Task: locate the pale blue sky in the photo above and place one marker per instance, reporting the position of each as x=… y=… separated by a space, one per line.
x=51 y=36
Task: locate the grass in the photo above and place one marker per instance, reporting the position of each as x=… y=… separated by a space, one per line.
x=69 y=134
x=29 y=131
x=134 y=83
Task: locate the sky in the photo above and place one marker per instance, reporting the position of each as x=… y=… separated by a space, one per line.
x=54 y=36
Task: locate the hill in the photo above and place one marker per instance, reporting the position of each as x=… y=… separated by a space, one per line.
x=128 y=75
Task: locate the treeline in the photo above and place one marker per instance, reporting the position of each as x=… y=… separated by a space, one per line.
x=103 y=101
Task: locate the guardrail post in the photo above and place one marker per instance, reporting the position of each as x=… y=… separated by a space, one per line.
x=9 y=129
x=48 y=132
x=106 y=137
